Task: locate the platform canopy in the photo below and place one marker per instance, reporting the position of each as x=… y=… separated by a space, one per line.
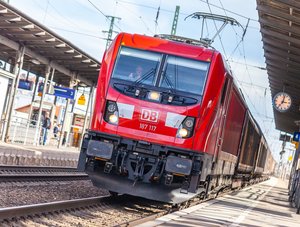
x=43 y=47
x=280 y=29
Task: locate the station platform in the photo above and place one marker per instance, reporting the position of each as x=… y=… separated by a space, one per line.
x=11 y=154
x=263 y=204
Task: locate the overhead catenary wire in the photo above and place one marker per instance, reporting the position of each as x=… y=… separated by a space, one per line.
x=136 y=15
x=256 y=112
x=46 y=11
x=217 y=31
x=97 y=8
x=151 y=7
x=241 y=38
x=255 y=85
x=63 y=16
x=79 y=33
x=186 y=14
x=227 y=16
x=254 y=66
x=229 y=11
x=65 y=19
x=246 y=65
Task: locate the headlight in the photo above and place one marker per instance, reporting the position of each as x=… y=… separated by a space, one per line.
x=189 y=123
x=186 y=128
x=112 y=107
x=183 y=132
x=113 y=119
x=111 y=114
x=154 y=95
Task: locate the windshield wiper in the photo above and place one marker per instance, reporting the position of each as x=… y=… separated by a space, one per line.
x=143 y=78
x=170 y=84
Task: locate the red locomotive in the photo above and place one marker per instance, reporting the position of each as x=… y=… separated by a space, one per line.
x=169 y=123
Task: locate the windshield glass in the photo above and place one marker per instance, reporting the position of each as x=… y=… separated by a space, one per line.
x=184 y=75
x=137 y=66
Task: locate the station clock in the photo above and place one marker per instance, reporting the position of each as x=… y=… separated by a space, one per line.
x=282 y=102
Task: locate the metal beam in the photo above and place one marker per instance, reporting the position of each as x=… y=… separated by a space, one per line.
x=63 y=128
x=277 y=24
x=282 y=53
x=14 y=25
x=277 y=44
x=277 y=63
x=37 y=138
x=286 y=38
x=14 y=45
x=291 y=3
x=281 y=59
x=11 y=103
x=283 y=71
x=90 y=100
x=269 y=10
x=277 y=80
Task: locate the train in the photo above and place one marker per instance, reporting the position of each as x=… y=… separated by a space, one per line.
x=169 y=123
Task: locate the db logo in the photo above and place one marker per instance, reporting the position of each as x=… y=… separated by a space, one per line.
x=149 y=115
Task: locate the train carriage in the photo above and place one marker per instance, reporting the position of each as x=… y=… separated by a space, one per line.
x=168 y=121
x=249 y=147
x=261 y=157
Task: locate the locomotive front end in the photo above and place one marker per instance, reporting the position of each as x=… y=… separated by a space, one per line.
x=142 y=140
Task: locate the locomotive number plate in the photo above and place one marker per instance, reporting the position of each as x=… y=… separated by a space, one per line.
x=147 y=127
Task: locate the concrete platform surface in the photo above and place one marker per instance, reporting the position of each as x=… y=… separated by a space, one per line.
x=11 y=154
x=263 y=204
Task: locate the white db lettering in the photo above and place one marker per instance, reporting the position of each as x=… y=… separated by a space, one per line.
x=149 y=115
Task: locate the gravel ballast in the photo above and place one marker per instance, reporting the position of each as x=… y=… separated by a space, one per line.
x=25 y=193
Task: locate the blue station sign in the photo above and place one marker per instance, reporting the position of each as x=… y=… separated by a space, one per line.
x=64 y=92
x=25 y=84
x=296 y=136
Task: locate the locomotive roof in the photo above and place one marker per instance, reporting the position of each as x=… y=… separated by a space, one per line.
x=177 y=40
x=181 y=39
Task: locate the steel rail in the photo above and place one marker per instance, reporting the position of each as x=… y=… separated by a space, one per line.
x=44 y=208
x=36 y=168
x=143 y=219
x=41 y=177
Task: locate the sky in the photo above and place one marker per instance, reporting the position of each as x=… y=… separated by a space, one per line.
x=83 y=22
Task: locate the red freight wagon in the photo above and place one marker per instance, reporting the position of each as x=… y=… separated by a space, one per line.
x=168 y=120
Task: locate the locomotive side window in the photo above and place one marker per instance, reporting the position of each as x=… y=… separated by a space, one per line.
x=137 y=65
x=184 y=75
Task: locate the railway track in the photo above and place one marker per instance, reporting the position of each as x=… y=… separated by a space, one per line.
x=96 y=211
x=122 y=210
x=39 y=173
x=7 y=214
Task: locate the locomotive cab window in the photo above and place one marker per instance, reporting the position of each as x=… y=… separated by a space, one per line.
x=184 y=75
x=163 y=71
x=137 y=66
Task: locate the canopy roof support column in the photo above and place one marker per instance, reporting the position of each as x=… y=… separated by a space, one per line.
x=86 y=114
x=38 y=123
x=63 y=128
x=16 y=71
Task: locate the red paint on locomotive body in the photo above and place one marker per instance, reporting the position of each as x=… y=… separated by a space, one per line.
x=169 y=123
x=157 y=132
